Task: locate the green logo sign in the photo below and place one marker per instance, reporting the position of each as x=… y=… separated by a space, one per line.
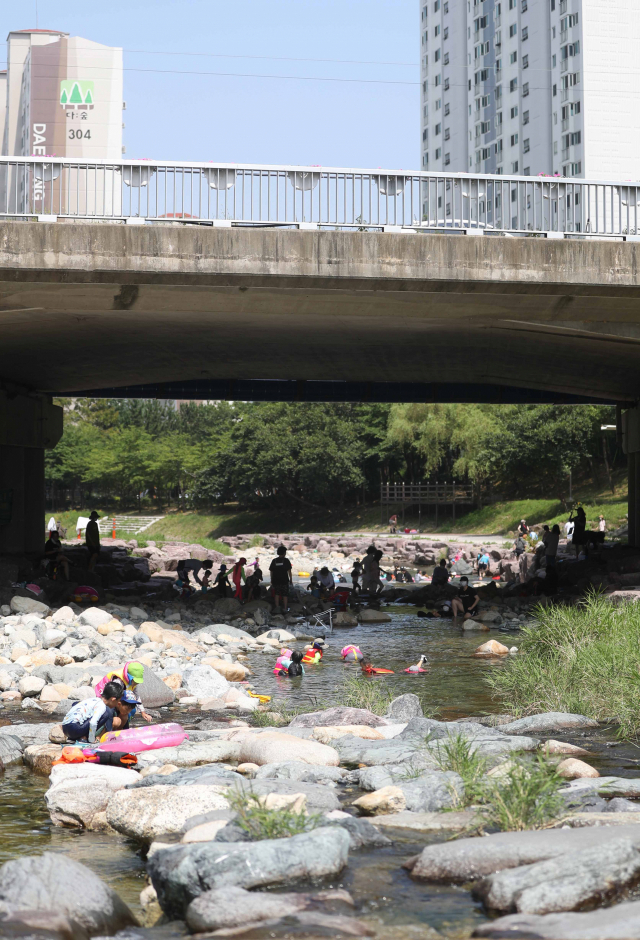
x=76 y=93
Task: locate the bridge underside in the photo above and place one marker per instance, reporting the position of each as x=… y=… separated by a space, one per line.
x=190 y=311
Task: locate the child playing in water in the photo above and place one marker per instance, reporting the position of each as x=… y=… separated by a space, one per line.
x=314 y=586
x=125 y=710
x=82 y=721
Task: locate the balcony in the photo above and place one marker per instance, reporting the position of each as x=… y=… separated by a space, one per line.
x=564 y=65
x=565 y=124
x=564 y=35
x=564 y=94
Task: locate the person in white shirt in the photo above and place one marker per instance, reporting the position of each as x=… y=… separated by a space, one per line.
x=602 y=525
x=568 y=528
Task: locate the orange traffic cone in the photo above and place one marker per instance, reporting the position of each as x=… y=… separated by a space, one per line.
x=113 y=531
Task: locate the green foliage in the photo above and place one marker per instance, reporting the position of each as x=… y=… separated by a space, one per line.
x=583 y=659
x=261 y=823
x=526 y=797
x=457 y=753
x=368 y=693
x=257 y=541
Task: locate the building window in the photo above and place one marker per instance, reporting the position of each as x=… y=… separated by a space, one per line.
x=438 y=104
x=438 y=80
x=525 y=117
x=514 y=140
x=486 y=153
x=553 y=61
x=424 y=13
x=436 y=6
x=525 y=61
x=438 y=153
x=514 y=166
x=447 y=161
x=425 y=159
x=438 y=129
x=499 y=120
x=445 y=35
x=514 y=195
x=513 y=84
x=525 y=6
x=485 y=127
x=436 y=57
x=498 y=146
x=447 y=133
x=553 y=5
x=513 y=29
x=446 y=8
x=513 y=57
x=527 y=172
x=555 y=146
x=512 y=6
x=446 y=84
x=525 y=89
x=480 y=23
x=446 y=110
x=482 y=49
x=576 y=138
x=525 y=146
x=525 y=33
x=436 y=31
x=498 y=93
x=576 y=169
x=425 y=135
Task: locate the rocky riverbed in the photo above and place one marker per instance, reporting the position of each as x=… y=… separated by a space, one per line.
x=385 y=844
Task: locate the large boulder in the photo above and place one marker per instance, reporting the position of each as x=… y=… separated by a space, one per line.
x=547 y=723
x=180 y=874
x=471 y=859
x=153 y=692
x=79 y=793
x=27 y=733
x=620 y=922
x=271 y=746
x=404 y=708
x=204 y=682
x=319 y=799
x=40 y=757
x=190 y=754
x=227 y=605
x=11 y=748
x=94 y=617
x=205 y=775
x=149 y=812
x=368 y=615
x=565 y=883
x=428 y=793
x=338 y=715
x=298 y=770
x=27 y=605
x=55 y=882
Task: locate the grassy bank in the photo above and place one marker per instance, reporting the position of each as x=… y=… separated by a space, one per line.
x=584 y=660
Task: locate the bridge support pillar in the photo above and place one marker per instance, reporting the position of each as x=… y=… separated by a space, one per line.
x=28 y=425
x=631 y=446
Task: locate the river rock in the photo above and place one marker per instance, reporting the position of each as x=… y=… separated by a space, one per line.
x=190 y=754
x=404 y=708
x=54 y=638
x=41 y=925
x=94 y=616
x=275 y=746
x=232 y=672
x=153 y=692
x=338 y=715
x=474 y=625
x=572 y=769
x=299 y=771
x=470 y=859
x=564 y=883
x=319 y=799
x=344 y=618
x=368 y=615
x=31 y=685
x=40 y=757
x=620 y=922
x=427 y=793
x=547 y=723
x=620 y=805
x=561 y=747
x=205 y=775
x=28 y=733
x=361 y=833
x=147 y=813
x=327 y=733
x=55 y=882
x=492 y=648
x=204 y=682
x=27 y=605
x=389 y=799
x=63 y=615
x=235 y=907
x=184 y=872
x=80 y=792
x=11 y=749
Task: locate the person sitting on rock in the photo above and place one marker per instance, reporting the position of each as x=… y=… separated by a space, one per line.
x=221 y=581
x=127 y=677
x=53 y=552
x=253 y=583
x=314 y=586
x=466 y=603
x=83 y=721
x=440 y=573
x=327 y=582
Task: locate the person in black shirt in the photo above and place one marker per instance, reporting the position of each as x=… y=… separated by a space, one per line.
x=53 y=552
x=440 y=574
x=281 y=578
x=466 y=603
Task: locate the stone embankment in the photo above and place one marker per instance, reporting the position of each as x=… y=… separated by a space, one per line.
x=379 y=779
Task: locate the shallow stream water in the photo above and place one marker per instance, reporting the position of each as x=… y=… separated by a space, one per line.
x=385 y=896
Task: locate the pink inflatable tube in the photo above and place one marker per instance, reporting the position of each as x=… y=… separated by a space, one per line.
x=136 y=740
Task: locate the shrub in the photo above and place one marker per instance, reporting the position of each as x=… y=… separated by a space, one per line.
x=583 y=659
x=359 y=692
x=456 y=753
x=261 y=823
x=526 y=798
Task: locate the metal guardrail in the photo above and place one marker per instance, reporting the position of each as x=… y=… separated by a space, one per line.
x=426 y=493
x=312 y=197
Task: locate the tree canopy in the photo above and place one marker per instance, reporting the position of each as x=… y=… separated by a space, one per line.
x=317 y=454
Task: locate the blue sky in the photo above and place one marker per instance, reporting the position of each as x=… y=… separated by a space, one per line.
x=173 y=116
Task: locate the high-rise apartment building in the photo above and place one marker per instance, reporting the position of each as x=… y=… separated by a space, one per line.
x=62 y=97
x=531 y=86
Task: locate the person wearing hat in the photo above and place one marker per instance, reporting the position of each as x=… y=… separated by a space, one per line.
x=92 y=539
x=128 y=677
x=125 y=710
x=222 y=581
x=313 y=654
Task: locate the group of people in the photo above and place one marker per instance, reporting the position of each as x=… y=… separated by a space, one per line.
x=54 y=552
x=114 y=705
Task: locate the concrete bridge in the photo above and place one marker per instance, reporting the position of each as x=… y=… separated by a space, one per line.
x=173 y=310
